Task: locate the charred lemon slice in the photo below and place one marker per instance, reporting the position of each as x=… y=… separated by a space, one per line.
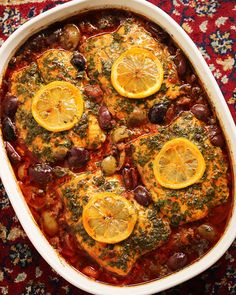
x=178 y=164
x=109 y=218
x=137 y=73
x=57 y=106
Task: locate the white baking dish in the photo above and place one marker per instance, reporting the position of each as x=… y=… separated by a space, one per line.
x=17 y=199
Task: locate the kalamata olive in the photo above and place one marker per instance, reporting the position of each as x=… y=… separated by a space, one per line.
x=201 y=112
x=177 y=261
x=109 y=165
x=180 y=62
x=10 y=105
x=94 y=92
x=8 y=129
x=40 y=173
x=78 y=157
x=70 y=37
x=142 y=196
x=216 y=136
x=137 y=118
x=104 y=118
x=157 y=112
x=130 y=178
x=50 y=225
x=120 y=134
x=12 y=153
x=217 y=140
x=207 y=232
x=78 y=60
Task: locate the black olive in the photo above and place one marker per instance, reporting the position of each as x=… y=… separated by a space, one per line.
x=10 y=105
x=142 y=196
x=201 y=112
x=216 y=136
x=78 y=61
x=217 y=140
x=177 y=260
x=104 y=118
x=180 y=62
x=78 y=157
x=156 y=114
x=130 y=178
x=8 y=129
x=40 y=173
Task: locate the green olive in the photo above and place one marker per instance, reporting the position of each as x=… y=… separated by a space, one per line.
x=119 y=134
x=70 y=37
x=136 y=118
x=207 y=232
x=109 y=165
x=50 y=224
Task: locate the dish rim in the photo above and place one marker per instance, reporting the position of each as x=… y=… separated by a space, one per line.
x=16 y=197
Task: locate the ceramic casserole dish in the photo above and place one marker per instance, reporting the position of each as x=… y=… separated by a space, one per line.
x=217 y=102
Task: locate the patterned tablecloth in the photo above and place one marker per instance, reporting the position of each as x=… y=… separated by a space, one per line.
x=211 y=24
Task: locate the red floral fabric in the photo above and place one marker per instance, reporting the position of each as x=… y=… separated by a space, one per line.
x=211 y=25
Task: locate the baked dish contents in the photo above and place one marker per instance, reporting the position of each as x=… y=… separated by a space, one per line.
x=115 y=146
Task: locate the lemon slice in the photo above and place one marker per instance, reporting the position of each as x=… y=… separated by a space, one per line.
x=179 y=164
x=137 y=73
x=57 y=106
x=109 y=218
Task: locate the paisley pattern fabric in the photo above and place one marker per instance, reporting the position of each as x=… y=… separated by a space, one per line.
x=211 y=25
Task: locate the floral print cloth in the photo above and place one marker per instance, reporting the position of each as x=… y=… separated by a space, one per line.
x=211 y=24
